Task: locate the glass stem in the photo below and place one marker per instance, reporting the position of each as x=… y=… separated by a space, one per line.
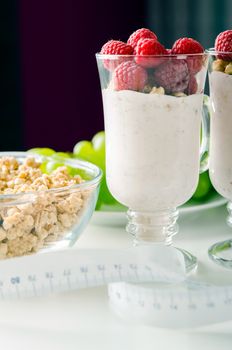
x=152 y=227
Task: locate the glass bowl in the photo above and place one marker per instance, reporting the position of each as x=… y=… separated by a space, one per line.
x=47 y=219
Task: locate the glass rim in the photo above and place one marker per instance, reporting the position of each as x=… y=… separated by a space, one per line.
x=213 y=51
x=177 y=56
x=83 y=185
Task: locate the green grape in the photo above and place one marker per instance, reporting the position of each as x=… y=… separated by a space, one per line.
x=105 y=195
x=52 y=165
x=99 y=161
x=42 y=151
x=63 y=154
x=81 y=172
x=84 y=150
x=43 y=167
x=98 y=142
x=204 y=186
x=59 y=155
x=94 y=152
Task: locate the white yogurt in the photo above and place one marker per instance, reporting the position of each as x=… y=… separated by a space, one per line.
x=221 y=133
x=152 y=148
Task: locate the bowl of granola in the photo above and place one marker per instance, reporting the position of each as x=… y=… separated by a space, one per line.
x=42 y=211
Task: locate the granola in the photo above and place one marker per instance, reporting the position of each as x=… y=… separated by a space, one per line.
x=37 y=218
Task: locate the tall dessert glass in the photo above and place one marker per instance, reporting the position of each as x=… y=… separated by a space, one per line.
x=153 y=115
x=220 y=163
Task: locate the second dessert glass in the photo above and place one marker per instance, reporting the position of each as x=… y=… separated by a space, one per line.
x=220 y=164
x=153 y=117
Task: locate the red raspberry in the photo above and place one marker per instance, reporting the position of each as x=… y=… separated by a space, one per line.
x=192 y=86
x=115 y=47
x=129 y=76
x=223 y=43
x=186 y=45
x=147 y=47
x=189 y=46
x=172 y=75
x=142 y=33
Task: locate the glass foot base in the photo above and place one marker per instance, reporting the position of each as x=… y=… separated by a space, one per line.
x=157 y=228
x=138 y=302
x=190 y=261
x=221 y=253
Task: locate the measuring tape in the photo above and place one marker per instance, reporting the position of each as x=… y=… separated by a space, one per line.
x=183 y=306
x=146 y=283
x=61 y=271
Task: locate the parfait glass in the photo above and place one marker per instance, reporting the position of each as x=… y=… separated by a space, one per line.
x=153 y=116
x=220 y=161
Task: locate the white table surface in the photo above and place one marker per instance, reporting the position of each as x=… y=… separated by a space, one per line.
x=83 y=320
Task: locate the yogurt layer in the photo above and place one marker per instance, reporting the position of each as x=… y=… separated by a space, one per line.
x=152 y=148
x=221 y=133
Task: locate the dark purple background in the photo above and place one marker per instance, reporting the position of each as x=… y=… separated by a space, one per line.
x=50 y=92
x=60 y=87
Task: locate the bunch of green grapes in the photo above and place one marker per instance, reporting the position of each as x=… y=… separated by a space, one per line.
x=94 y=151
x=55 y=159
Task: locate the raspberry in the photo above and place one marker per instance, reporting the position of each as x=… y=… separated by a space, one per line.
x=172 y=75
x=192 y=86
x=223 y=43
x=189 y=46
x=186 y=46
x=142 y=33
x=115 y=47
x=147 y=47
x=194 y=64
x=129 y=76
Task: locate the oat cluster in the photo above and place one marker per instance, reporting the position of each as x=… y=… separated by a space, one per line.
x=31 y=221
x=27 y=177
x=222 y=66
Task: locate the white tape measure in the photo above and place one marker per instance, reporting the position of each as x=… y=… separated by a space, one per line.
x=74 y=269
x=182 y=306
x=168 y=300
